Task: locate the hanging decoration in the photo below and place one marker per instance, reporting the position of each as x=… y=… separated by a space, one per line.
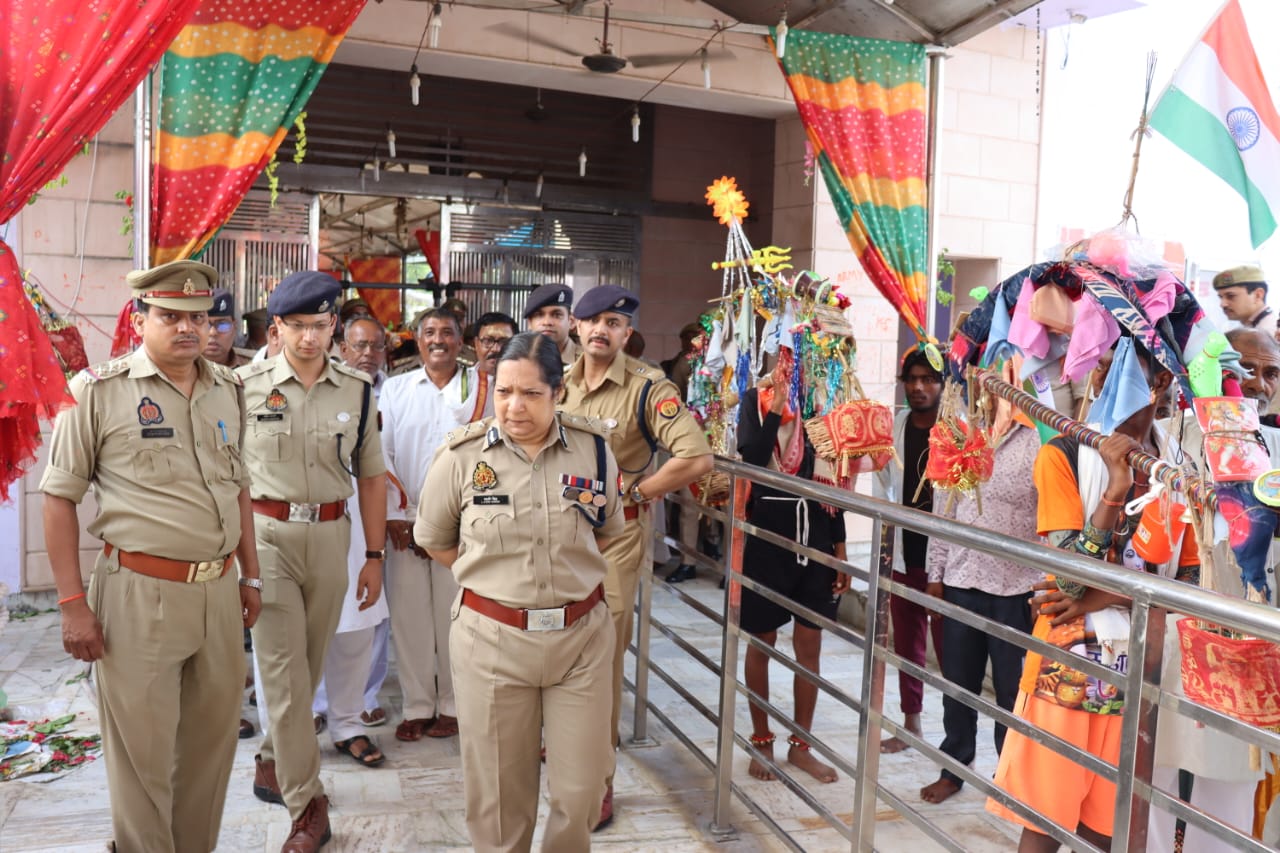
x=862 y=102
x=231 y=85
x=68 y=66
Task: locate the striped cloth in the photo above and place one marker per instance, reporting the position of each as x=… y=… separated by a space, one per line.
x=231 y=85
x=862 y=102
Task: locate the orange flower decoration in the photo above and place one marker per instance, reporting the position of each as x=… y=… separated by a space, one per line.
x=727 y=200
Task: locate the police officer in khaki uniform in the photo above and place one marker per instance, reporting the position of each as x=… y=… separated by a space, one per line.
x=548 y=311
x=222 y=332
x=157 y=433
x=643 y=410
x=312 y=426
x=520 y=506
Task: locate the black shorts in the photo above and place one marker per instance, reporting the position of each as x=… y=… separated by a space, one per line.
x=778 y=569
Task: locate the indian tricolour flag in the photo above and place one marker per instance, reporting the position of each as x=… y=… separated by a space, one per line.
x=1218 y=110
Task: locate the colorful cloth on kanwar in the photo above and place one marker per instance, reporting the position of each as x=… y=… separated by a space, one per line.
x=862 y=102
x=231 y=86
x=68 y=66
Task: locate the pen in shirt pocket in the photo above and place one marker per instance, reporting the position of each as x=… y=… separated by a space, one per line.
x=222 y=428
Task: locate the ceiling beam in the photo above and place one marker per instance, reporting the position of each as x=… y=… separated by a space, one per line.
x=977 y=23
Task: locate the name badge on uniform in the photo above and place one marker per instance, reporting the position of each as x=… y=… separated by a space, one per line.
x=274 y=417
x=491 y=500
x=158 y=432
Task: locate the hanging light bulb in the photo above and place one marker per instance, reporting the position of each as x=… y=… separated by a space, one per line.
x=635 y=124
x=706 y=69
x=415 y=83
x=582 y=162
x=780 y=40
x=377 y=168
x=537 y=187
x=434 y=26
x=391 y=142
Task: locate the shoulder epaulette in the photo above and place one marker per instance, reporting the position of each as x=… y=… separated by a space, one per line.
x=107 y=369
x=352 y=372
x=224 y=373
x=461 y=435
x=578 y=422
x=254 y=368
x=639 y=368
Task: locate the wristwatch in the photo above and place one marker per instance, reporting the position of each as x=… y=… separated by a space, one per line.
x=636 y=495
x=253 y=583
x=376 y=555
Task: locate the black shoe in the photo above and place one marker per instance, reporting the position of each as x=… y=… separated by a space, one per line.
x=681 y=573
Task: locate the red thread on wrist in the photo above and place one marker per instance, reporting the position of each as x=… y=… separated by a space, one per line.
x=70 y=598
x=1116 y=504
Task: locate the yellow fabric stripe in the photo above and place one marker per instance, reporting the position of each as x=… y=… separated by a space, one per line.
x=886 y=191
x=181 y=153
x=849 y=93
x=253 y=45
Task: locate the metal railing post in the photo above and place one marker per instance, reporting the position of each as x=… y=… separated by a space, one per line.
x=720 y=827
x=640 y=727
x=1138 y=730
x=877 y=637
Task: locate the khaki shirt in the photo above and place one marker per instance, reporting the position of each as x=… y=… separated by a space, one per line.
x=615 y=404
x=523 y=541
x=293 y=436
x=165 y=469
x=570 y=353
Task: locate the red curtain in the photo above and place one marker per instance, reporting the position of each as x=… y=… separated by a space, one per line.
x=385 y=304
x=66 y=67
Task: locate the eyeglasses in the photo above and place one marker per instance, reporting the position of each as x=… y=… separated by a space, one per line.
x=366 y=346
x=222 y=326
x=493 y=343
x=302 y=328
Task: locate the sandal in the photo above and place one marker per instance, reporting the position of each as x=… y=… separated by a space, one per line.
x=374 y=718
x=444 y=726
x=410 y=730
x=368 y=756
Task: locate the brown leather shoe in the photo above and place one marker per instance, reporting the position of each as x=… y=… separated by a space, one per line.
x=310 y=832
x=265 y=786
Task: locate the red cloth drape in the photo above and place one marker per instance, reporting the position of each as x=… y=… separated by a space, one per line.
x=385 y=304
x=66 y=67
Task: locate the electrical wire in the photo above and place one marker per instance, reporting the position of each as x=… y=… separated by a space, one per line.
x=84 y=230
x=697 y=51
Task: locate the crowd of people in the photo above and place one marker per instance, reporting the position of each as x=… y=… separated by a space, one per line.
x=484 y=506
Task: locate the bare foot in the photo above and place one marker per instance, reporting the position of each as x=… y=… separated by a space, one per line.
x=803 y=758
x=892 y=745
x=939 y=791
x=758 y=768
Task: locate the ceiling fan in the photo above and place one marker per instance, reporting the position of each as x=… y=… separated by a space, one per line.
x=605 y=61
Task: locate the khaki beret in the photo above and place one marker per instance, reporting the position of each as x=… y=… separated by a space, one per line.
x=178 y=285
x=1239 y=277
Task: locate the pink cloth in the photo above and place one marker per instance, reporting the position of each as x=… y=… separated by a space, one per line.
x=1159 y=301
x=1025 y=333
x=1096 y=332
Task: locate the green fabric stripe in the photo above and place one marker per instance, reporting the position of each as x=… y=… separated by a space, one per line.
x=905 y=246
x=1202 y=135
x=228 y=94
x=832 y=57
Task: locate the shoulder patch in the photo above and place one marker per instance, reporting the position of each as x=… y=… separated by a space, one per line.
x=353 y=372
x=583 y=424
x=462 y=435
x=669 y=408
x=107 y=369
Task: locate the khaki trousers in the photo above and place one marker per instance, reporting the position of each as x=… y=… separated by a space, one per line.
x=169 y=691
x=513 y=688
x=420 y=594
x=690 y=520
x=304 y=577
x=627 y=556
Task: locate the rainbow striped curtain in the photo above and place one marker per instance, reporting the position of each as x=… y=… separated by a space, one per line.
x=231 y=86
x=862 y=102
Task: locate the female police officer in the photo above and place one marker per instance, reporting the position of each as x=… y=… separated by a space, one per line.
x=520 y=507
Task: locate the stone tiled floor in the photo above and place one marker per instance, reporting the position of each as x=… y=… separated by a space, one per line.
x=414 y=801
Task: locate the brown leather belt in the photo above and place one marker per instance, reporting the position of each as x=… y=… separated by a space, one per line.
x=172 y=570
x=548 y=619
x=310 y=513
x=631 y=512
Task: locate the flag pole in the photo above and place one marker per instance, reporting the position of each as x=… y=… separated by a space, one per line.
x=1137 y=147
x=1199 y=38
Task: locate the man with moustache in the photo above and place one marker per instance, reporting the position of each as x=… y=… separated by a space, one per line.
x=157 y=434
x=922 y=386
x=643 y=411
x=1260 y=355
x=493 y=330
x=418 y=410
x=547 y=312
x=312 y=440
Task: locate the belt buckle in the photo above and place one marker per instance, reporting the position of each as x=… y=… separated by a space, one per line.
x=309 y=513
x=550 y=619
x=205 y=571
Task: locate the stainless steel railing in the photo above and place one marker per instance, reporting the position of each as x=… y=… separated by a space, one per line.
x=1152 y=597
